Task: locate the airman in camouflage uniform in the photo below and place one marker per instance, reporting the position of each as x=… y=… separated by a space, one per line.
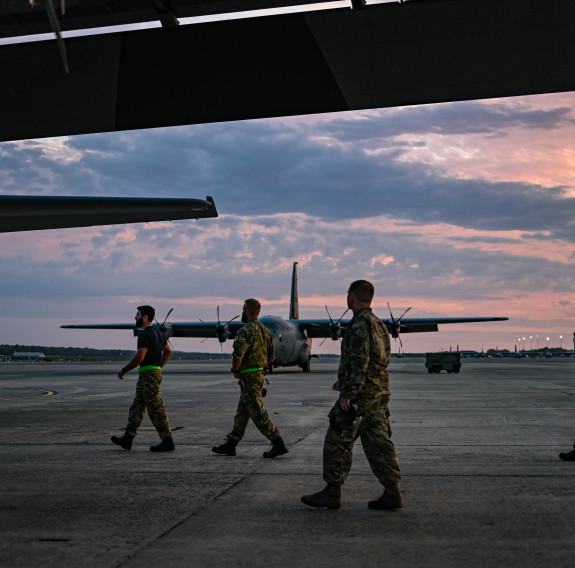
x=253 y=350
x=362 y=409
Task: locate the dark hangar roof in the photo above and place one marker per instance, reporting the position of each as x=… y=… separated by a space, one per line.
x=28 y=17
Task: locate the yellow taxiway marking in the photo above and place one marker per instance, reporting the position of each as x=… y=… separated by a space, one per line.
x=41 y=391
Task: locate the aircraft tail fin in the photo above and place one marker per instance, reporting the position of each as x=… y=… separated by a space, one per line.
x=294 y=305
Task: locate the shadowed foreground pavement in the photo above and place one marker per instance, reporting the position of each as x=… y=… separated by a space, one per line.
x=482 y=483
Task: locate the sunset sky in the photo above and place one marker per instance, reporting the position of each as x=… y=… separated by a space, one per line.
x=457 y=209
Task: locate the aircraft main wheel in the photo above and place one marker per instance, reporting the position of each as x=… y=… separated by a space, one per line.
x=456 y=370
x=430 y=370
x=449 y=371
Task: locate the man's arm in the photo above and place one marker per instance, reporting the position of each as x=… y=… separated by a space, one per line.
x=166 y=354
x=135 y=362
x=235 y=366
x=240 y=348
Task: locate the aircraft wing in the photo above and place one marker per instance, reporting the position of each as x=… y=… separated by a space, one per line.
x=31 y=213
x=177 y=329
x=326 y=328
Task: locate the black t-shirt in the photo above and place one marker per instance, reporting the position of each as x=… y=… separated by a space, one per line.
x=153 y=340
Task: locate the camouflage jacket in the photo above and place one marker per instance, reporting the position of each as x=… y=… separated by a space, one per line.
x=365 y=354
x=254 y=345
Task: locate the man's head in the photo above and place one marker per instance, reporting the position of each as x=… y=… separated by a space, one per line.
x=251 y=310
x=145 y=314
x=360 y=295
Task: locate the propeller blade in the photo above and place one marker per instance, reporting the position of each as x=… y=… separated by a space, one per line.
x=229 y=321
x=404 y=313
x=165 y=319
x=343 y=315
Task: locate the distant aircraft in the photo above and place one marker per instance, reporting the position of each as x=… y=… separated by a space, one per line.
x=31 y=213
x=292 y=337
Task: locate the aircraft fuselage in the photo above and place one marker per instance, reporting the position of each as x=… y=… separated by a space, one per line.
x=292 y=347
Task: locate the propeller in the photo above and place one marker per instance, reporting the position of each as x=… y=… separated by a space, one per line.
x=221 y=330
x=395 y=326
x=334 y=326
x=167 y=330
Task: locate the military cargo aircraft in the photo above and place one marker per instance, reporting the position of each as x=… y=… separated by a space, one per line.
x=31 y=213
x=292 y=337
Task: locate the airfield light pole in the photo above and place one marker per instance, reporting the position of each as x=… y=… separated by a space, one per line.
x=537 y=341
x=523 y=344
x=530 y=343
x=561 y=340
x=547 y=343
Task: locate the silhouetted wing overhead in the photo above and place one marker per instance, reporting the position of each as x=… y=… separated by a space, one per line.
x=385 y=55
x=321 y=328
x=30 y=213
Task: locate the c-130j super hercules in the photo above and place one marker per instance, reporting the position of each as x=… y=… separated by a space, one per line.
x=292 y=337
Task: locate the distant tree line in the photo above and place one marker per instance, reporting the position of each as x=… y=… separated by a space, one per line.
x=87 y=353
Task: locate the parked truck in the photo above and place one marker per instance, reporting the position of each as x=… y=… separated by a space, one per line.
x=449 y=361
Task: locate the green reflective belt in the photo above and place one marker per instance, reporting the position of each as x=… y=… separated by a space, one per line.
x=149 y=368
x=250 y=370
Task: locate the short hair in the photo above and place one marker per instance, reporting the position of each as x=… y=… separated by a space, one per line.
x=363 y=290
x=253 y=306
x=148 y=311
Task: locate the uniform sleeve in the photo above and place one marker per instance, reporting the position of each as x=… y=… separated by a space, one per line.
x=353 y=378
x=241 y=343
x=271 y=350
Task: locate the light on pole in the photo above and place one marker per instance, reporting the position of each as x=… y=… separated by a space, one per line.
x=561 y=340
x=547 y=343
x=530 y=343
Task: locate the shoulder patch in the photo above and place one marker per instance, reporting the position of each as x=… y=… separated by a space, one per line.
x=358 y=338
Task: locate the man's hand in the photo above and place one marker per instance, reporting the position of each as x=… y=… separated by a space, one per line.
x=121 y=374
x=345 y=403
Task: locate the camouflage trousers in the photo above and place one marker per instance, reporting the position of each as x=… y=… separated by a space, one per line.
x=251 y=406
x=375 y=434
x=149 y=397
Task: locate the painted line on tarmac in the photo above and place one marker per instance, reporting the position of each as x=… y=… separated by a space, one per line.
x=42 y=392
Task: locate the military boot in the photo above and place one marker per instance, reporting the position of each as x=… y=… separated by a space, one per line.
x=125 y=441
x=227 y=448
x=329 y=497
x=278 y=449
x=166 y=445
x=391 y=499
x=568 y=456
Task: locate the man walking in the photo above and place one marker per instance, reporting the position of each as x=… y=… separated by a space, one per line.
x=253 y=350
x=361 y=410
x=153 y=353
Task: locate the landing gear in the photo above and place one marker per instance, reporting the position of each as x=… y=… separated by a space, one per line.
x=306 y=367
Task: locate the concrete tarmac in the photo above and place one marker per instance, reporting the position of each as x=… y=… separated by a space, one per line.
x=482 y=482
